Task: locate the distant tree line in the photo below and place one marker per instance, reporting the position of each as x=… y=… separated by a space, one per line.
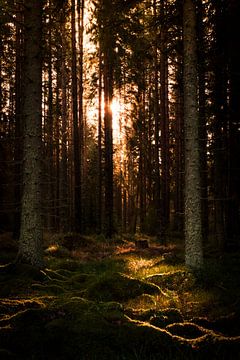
x=173 y=168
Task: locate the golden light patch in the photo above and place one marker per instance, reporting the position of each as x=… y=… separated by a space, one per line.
x=137 y=264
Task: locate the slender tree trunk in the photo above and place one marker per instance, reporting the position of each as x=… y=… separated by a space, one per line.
x=99 y=211
x=165 y=178
x=202 y=118
x=142 y=156
x=82 y=130
x=64 y=181
x=30 y=244
x=18 y=154
x=233 y=208
x=193 y=219
x=179 y=154
x=107 y=47
x=57 y=136
x=49 y=128
x=157 y=186
x=76 y=129
x=220 y=129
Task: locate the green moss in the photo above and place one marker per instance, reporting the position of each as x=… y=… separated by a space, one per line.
x=50 y=289
x=76 y=310
x=118 y=287
x=173 y=280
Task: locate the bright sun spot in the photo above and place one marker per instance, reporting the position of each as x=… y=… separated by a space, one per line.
x=116 y=117
x=116 y=108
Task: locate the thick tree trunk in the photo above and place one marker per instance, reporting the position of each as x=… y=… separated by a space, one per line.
x=30 y=244
x=193 y=220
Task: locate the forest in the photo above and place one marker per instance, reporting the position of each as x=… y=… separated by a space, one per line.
x=119 y=179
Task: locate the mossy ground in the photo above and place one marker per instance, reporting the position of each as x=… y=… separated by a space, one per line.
x=100 y=300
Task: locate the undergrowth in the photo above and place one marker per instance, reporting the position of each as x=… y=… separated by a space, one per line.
x=100 y=300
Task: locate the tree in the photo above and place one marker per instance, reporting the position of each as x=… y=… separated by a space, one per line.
x=107 y=46
x=18 y=120
x=76 y=128
x=193 y=219
x=30 y=244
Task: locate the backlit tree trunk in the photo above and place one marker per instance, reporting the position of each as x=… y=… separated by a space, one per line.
x=107 y=48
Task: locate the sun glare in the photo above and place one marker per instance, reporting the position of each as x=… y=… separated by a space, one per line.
x=116 y=117
x=116 y=108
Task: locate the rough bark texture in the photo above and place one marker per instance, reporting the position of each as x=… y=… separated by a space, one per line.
x=30 y=245
x=193 y=223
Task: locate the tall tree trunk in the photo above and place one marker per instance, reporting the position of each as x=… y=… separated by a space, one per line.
x=82 y=130
x=165 y=178
x=202 y=117
x=30 y=244
x=64 y=181
x=142 y=157
x=108 y=48
x=99 y=202
x=179 y=155
x=233 y=208
x=50 y=165
x=76 y=128
x=220 y=127
x=193 y=220
x=18 y=154
x=57 y=137
x=157 y=190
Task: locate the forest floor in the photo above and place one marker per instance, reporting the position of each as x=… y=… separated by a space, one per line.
x=114 y=301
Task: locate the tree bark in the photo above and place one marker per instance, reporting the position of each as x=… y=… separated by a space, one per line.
x=193 y=220
x=30 y=244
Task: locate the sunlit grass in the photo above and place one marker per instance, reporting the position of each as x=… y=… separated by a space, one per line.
x=135 y=265
x=141 y=267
